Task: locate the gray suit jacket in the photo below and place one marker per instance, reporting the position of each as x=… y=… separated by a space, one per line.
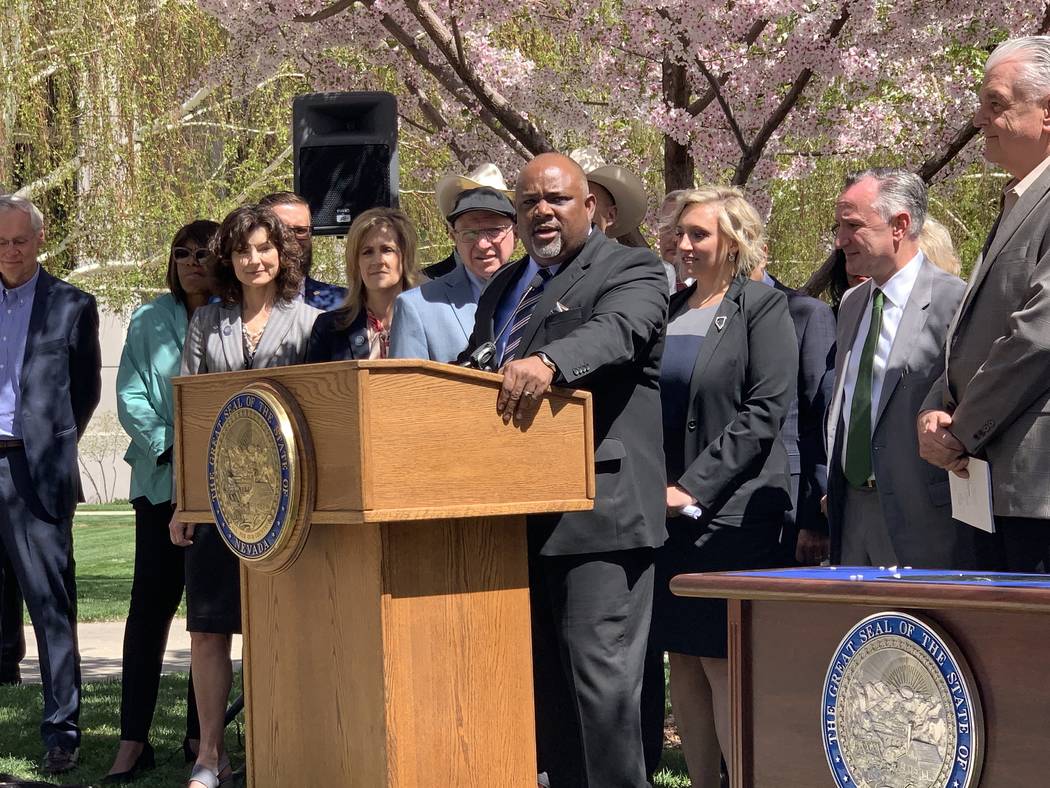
x=214 y=343
x=916 y=502
x=434 y=321
x=997 y=384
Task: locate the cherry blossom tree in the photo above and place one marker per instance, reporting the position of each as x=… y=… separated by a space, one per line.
x=745 y=90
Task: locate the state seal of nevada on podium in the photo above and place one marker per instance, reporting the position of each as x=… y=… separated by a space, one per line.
x=260 y=476
x=900 y=708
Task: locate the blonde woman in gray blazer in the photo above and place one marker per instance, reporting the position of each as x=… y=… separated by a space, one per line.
x=261 y=322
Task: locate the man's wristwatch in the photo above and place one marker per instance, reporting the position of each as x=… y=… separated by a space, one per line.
x=547 y=362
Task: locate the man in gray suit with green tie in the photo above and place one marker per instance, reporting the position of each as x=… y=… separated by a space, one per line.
x=886 y=505
x=993 y=401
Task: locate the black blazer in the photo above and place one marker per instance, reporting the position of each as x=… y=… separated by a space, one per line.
x=59 y=389
x=601 y=321
x=742 y=384
x=331 y=342
x=803 y=432
x=442 y=267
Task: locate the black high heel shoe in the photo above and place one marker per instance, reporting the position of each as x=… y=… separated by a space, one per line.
x=147 y=760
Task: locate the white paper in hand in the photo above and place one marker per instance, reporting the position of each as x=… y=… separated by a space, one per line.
x=972 y=497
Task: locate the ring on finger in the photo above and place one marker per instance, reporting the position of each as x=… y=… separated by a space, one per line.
x=527 y=394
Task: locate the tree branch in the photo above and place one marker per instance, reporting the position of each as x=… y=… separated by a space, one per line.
x=447 y=78
x=724 y=104
x=705 y=100
x=433 y=114
x=943 y=157
x=754 y=154
x=458 y=38
x=280 y=159
x=325 y=13
x=526 y=132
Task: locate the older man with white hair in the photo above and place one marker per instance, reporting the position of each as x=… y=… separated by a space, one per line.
x=446 y=193
x=993 y=401
x=50 y=384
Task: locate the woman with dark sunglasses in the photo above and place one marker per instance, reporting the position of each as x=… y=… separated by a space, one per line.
x=151 y=357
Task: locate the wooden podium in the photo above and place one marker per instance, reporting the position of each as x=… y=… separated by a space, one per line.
x=785 y=625
x=396 y=649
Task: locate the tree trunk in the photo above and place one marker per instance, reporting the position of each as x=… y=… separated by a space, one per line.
x=679 y=169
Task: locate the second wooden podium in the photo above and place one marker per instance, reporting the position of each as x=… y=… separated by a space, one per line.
x=395 y=650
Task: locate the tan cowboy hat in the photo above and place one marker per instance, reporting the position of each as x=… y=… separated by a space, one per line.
x=627 y=190
x=451 y=185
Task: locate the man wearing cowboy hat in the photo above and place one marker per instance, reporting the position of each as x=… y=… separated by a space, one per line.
x=447 y=192
x=434 y=321
x=620 y=201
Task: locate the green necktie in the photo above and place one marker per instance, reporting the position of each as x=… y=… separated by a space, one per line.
x=858 y=439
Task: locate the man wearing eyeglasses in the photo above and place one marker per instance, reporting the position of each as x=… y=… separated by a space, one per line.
x=434 y=321
x=50 y=384
x=294 y=211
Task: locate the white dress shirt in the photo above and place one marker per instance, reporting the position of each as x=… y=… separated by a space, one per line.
x=896 y=291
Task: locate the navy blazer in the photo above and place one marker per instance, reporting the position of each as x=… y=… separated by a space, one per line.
x=331 y=342
x=601 y=320
x=59 y=389
x=322 y=295
x=803 y=433
x=743 y=381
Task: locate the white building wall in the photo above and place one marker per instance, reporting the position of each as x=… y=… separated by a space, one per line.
x=103 y=473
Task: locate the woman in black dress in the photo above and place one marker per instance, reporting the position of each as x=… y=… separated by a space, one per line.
x=728 y=376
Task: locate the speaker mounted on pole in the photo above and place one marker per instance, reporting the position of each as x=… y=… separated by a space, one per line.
x=344 y=149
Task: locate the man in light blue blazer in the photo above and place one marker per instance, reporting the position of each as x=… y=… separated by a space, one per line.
x=434 y=321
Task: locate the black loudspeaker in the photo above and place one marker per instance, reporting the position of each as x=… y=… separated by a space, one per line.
x=344 y=147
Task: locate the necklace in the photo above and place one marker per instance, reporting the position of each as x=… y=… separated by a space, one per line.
x=710 y=297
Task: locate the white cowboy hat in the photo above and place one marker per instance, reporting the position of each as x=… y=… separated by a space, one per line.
x=627 y=190
x=451 y=185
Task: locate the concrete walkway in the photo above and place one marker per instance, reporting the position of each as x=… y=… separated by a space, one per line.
x=102 y=645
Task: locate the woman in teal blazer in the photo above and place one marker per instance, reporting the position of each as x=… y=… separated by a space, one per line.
x=151 y=357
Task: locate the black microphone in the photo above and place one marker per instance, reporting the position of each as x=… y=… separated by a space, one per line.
x=484 y=357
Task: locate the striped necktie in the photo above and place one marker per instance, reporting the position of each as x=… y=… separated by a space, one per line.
x=523 y=312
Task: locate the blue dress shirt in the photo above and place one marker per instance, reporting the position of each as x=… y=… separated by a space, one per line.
x=16 y=306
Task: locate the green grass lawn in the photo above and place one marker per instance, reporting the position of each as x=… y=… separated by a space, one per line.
x=105 y=555
x=123 y=506
x=100 y=721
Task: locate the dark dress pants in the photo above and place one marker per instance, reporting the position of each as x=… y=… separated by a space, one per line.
x=12 y=639
x=1025 y=544
x=590 y=631
x=155 y=595
x=654 y=704
x=40 y=549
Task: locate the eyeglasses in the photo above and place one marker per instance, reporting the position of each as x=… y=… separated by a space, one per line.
x=491 y=234
x=184 y=255
x=301 y=233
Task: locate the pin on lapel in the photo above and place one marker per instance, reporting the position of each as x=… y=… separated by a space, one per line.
x=720 y=322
